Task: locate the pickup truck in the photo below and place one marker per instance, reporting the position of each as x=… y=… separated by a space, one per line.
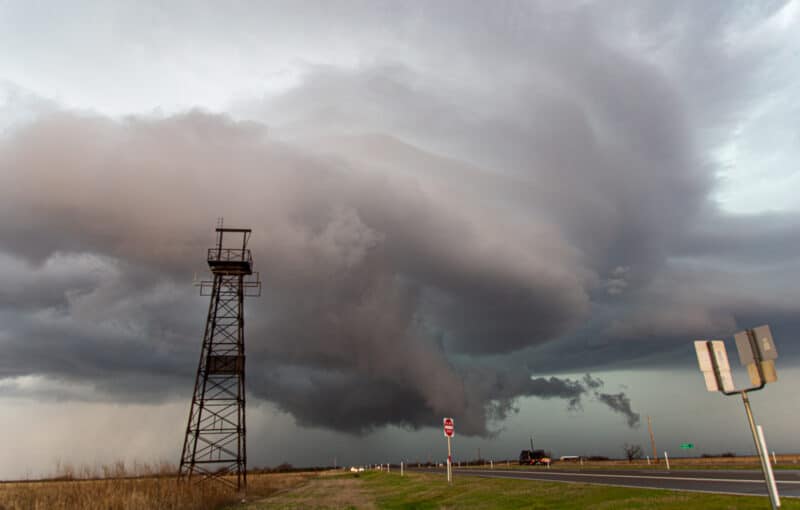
x=534 y=457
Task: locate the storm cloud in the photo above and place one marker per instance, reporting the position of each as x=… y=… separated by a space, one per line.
x=521 y=192
x=367 y=276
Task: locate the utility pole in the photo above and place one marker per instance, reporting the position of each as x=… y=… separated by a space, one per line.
x=652 y=439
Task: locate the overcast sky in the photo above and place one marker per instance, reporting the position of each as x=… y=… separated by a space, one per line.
x=518 y=214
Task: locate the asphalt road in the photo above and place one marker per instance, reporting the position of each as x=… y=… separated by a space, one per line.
x=715 y=481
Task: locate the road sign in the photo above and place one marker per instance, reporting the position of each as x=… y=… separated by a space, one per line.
x=758 y=353
x=687 y=445
x=721 y=355
x=706 y=367
x=449 y=430
x=707 y=357
x=449 y=427
x=746 y=354
x=764 y=344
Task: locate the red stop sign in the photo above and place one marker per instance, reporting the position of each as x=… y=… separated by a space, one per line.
x=449 y=427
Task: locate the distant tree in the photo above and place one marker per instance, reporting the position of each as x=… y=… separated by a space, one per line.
x=284 y=467
x=632 y=451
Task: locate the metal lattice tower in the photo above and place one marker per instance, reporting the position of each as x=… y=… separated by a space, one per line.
x=215 y=445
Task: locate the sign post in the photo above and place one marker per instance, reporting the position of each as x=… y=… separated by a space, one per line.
x=449 y=431
x=757 y=352
x=767 y=466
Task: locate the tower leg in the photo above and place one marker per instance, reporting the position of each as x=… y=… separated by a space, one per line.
x=214 y=445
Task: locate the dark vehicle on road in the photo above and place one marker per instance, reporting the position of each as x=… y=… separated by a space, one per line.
x=534 y=457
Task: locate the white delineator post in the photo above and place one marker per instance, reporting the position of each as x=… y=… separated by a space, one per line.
x=666 y=458
x=401 y=468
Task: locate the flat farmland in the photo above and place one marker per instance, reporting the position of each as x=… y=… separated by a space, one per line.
x=368 y=490
x=381 y=490
x=139 y=493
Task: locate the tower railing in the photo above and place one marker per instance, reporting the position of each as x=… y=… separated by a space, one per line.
x=216 y=255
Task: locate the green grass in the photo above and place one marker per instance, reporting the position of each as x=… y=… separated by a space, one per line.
x=428 y=491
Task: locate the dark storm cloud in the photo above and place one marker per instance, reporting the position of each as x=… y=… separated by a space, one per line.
x=364 y=272
x=604 y=153
x=353 y=403
x=621 y=404
x=427 y=227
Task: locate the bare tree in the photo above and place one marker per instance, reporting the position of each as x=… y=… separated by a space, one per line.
x=632 y=451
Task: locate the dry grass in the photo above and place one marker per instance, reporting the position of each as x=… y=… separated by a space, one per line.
x=322 y=492
x=752 y=461
x=783 y=460
x=152 y=488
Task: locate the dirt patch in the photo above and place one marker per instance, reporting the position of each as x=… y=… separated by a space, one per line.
x=324 y=492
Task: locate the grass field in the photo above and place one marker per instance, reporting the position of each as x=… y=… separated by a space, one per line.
x=429 y=491
x=369 y=490
x=139 y=493
x=379 y=490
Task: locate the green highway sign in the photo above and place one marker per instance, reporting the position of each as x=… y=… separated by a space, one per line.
x=687 y=445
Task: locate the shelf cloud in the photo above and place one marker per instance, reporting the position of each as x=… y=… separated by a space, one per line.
x=441 y=229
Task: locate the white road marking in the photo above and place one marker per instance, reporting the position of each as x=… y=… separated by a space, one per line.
x=724 y=493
